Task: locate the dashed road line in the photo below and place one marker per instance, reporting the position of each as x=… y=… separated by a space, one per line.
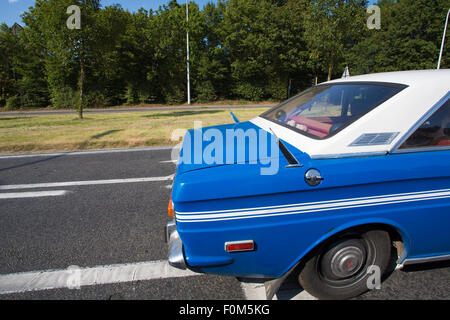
x=82 y=153
x=21 y=195
x=84 y=183
x=169 y=161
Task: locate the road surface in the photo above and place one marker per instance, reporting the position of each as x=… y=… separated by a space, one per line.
x=103 y=214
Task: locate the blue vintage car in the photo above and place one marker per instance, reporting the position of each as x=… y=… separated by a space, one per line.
x=335 y=181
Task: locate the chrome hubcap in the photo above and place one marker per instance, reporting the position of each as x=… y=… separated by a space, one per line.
x=344 y=260
x=347 y=261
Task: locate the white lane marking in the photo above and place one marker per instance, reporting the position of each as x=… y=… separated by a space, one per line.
x=84 y=183
x=169 y=161
x=20 y=195
x=108 y=274
x=81 y=153
x=254 y=290
x=74 y=277
x=293 y=295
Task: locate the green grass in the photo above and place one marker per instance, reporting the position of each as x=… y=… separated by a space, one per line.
x=55 y=133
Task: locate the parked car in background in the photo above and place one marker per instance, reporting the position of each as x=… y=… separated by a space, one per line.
x=362 y=176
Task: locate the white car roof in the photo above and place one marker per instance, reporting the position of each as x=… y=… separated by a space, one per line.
x=402 y=77
x=396 y=115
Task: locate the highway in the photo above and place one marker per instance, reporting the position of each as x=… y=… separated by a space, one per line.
x=103 y=214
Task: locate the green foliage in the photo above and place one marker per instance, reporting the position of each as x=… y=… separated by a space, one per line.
x=410 y=38
x=330 y=28
x=64 y=98
x=8 y=49
x=206 y=92
x=276 y=89
x=13 y=103
x=249 y=91
x=95 y=99
x=239 y=49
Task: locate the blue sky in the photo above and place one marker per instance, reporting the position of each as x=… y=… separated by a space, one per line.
x=10 y=10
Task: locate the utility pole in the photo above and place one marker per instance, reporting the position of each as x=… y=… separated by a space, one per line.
x=187 y=47
x=443 y=40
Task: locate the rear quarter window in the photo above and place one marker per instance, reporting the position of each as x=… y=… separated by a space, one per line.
x=434 y=132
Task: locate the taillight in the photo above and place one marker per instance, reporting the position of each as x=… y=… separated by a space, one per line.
x=238 y=246
x=170 y=210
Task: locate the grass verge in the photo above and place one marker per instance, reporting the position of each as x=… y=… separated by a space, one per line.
x=58 y=133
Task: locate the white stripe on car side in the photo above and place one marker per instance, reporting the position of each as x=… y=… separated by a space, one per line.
x=317 y=202
x=313 y=207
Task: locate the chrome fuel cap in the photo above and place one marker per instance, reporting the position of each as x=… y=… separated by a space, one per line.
x=313 y=177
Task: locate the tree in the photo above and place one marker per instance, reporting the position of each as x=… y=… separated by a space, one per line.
x=330 y=28
x=9 y=47
x=69 y=52
x=29 y=65
x=116 y=56
x=409 y=39
x=209 y=63
x=240 y=49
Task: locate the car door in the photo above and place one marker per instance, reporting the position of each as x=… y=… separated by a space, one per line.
x=426 y=151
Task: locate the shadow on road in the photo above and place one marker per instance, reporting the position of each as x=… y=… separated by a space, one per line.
x=31 y=162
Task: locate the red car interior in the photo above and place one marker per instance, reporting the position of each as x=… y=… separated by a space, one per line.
x=315 y=127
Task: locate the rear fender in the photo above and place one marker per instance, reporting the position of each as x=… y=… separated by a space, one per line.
x=272 y=286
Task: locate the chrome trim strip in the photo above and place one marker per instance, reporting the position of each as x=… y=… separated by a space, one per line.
x=395 y=148
x=349 y=155
x=422 y=149
x=426 y=259
x=290 y=158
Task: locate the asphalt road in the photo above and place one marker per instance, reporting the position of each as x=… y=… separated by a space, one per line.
x=129 y=109
x=120 y=221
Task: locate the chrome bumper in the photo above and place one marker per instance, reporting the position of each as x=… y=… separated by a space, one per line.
x=176 y=256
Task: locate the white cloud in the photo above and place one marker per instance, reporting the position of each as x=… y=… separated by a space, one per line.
x=12 y=1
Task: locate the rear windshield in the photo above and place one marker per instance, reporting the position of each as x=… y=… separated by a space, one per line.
x=323 y=110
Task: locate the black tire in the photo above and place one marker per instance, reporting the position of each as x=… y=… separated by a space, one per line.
x=338 y=269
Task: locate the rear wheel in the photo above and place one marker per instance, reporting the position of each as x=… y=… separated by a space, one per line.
x=339 y=269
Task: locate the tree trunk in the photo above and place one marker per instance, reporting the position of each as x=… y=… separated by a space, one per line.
x=330 y=71
x=81 y=85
